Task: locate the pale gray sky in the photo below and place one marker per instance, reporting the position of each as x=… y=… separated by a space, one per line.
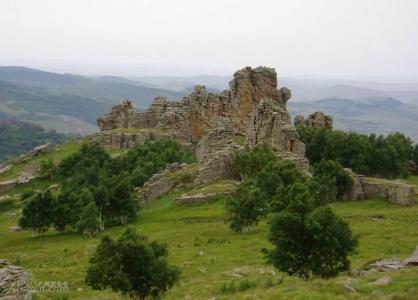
x=364 y=39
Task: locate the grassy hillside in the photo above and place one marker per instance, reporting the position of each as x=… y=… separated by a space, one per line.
x=57 y=155
x=217 y=263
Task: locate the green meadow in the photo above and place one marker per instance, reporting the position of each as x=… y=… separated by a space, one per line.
x=217 y=263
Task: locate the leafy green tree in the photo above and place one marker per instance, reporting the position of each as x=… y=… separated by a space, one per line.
x=89 y=222
x=249 y=164
x=383 y=156
x=122 y=205
x=246 y=208
x=333 y=175
x=132 y=265
x=67 y=208
x=92 y=175
x=414 y=155
x=37 y=214
x=307 y=240
x=101 y=198
x=47 y=169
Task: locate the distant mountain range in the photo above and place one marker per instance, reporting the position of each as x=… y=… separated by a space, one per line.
x=65 y=102
x=302 y=89
x=372 y=115
x=71 y=103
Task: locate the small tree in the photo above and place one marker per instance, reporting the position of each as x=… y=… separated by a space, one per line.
x=89 y=222
x=121 y=202
x=246 y=207
x=132 y=265
x=37 y=215
x=309 y=241
x=249 y=164
x=47 y=169
x=101 y=197
x=335 y=172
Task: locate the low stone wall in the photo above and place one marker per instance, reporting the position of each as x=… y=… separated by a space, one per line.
x=395 y=191
x=6 y=186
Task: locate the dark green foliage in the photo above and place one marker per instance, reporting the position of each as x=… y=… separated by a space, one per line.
x=246 y=207
x=132 y=265
x=332 y=175
x=309 y=240
x=249 y=164
x=370 y=155
x=47 y=169
x=37 y=215
x=90 y=158
x=257 y=195
x=414 y=156
x=91 y=175
x=20 y=137
x=89 y=222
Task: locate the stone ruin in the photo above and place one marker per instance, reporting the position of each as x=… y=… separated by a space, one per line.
x=316 y=120
x=252 y=112
x=395 y=191
x=253 y=109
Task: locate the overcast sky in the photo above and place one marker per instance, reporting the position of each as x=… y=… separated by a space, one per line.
x=364 y=39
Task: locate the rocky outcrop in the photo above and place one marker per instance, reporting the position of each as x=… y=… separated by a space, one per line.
x=391 y=264
x=252 y=112
x=14 y=282
x=270 y=124
x=316 y=120
x=357 y=190
x=201 y=113
x=396 y=191
x=160 y=183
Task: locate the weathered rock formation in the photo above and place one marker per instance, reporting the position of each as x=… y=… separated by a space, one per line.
x=270 y=124
x=395 y=191
x=391 y=264
x=252 y=112
x=253 y=109
x=14 y=282
x=160 y=183
x=316 y=120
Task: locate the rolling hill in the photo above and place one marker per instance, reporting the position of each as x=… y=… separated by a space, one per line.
x=67 y=103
